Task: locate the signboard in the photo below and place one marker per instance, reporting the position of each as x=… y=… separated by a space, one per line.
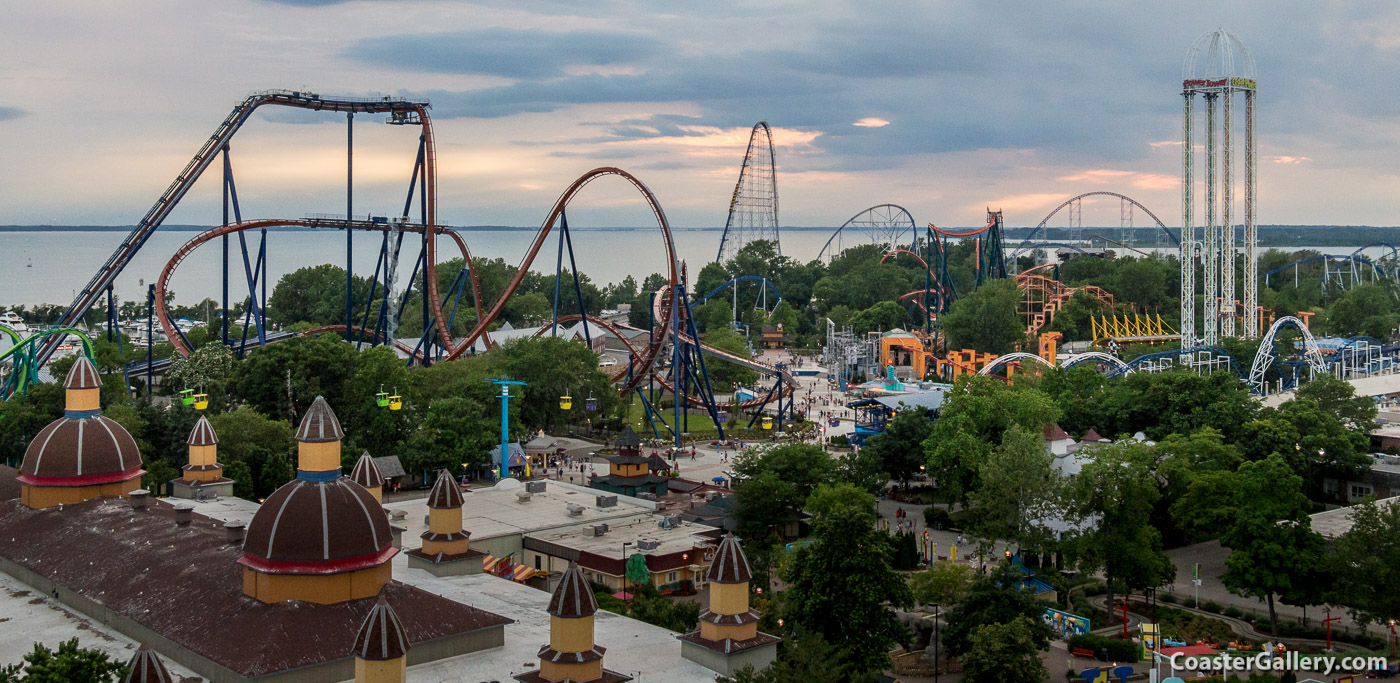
x=1065 y=624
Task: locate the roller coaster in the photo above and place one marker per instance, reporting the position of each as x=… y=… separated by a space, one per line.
x=1345 y=271
x=1127 y=206
x=19 y=364
x=1358 y=357
x=672 y=332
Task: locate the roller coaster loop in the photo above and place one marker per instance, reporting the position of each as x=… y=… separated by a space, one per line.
x=1267 y=355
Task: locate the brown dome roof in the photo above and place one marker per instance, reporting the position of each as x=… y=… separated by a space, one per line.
x=316 y=523
x=574 y=597
x=203 y=434
x=381 y=637
x=366 y=473
x=83 y=375
x=146 y=667
x=446 y=493
x=730 y=565
x=83 y=449
x=319 y=424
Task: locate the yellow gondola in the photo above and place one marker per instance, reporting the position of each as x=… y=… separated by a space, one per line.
x=566 y=402
x=201 y=401
x=396 y=402
x=382 y=399
x=767 y=423
x=187 y=397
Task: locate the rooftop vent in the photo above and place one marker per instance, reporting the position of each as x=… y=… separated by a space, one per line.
x=647 y=545
x=398 y=515
x=206 y=493
x=184 y=514
x=138 y=499
x=607 y=501
x=647 y=495
x=575 y=510
x=534 y=486
x=523 y=496
x=233 y=532
x=597 y=530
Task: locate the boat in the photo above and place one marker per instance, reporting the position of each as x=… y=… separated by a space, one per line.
x=12 y=320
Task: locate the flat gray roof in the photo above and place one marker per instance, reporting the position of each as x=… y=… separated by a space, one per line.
x=496 y=511
x=1336 y=523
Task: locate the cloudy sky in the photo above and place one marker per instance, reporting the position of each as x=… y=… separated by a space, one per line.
x=943 y=107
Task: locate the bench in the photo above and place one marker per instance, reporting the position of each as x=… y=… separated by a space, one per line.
x=1082 y=652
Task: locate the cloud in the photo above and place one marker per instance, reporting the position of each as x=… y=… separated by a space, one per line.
x=1287 y=159
x=11 y=113
x=505 y=52
x=1103 y=176
x=871 y=122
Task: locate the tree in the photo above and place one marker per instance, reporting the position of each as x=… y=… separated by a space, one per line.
x=839 y=585
x=551 y=367
x=976 y=415
x=900 y=447
x=1017 y=488
x=207 y=370
x=283 y=379
x=1325 y=448
x=248 y=438
x=862 y=469
x=944 y=583
x=1366 y=310
x=996 y=598
x=804 y=657
x=805 y=466
x=784 y=315
x=1004 y=653
x=986 y=319
x=367 y=426
x=1112 y=498
x=315 y=295
x=883 y=316
x=1339 y=399
x=1366 y=564
x=724 y=374
x=763 y=502
x=277 y=470
x=68 y=664
x=1274 y=550
x=457 y=435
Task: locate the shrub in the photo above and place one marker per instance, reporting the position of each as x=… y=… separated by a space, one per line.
x=1211 y=607
x=1115 y=649
x=1232 y=611
x=1169 y=598
x=937 y=517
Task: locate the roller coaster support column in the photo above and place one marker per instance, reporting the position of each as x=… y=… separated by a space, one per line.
x=224 y=301
x=701 y=379
x=349 y=214
x=505 y=422
x=111 y=314
x=150 y=339
x=677 y=372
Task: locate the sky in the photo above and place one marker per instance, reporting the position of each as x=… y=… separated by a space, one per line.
x=946 y=108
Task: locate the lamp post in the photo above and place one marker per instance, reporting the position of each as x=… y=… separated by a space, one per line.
x=505 y=422
x=1392 y=638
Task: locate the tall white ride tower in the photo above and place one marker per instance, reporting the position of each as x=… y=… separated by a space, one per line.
x=1216 y=68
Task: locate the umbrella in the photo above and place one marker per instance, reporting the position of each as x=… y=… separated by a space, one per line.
x=622 y=595
x=718 y=480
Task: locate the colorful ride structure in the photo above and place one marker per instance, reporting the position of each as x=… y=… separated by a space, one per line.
x=1343 y=272
x=1131 y=328
x=19 y=364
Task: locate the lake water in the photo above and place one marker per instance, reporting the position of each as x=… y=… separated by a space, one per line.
x=63 y=261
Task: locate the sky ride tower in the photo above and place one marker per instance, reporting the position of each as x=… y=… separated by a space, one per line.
x=753 y=210
x=1218 y=70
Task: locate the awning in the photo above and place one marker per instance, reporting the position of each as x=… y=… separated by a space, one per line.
x=506 y=569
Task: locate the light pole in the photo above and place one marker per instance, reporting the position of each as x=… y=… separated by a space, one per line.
x=505 y=422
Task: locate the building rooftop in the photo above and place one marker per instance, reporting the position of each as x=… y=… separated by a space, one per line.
x=677 y=539
x=496 y=511
x=1336 y=523
x=76 y=546
x=635 y=648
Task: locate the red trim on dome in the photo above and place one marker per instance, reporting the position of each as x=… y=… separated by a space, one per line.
x=346 y=564
x=85 y=480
